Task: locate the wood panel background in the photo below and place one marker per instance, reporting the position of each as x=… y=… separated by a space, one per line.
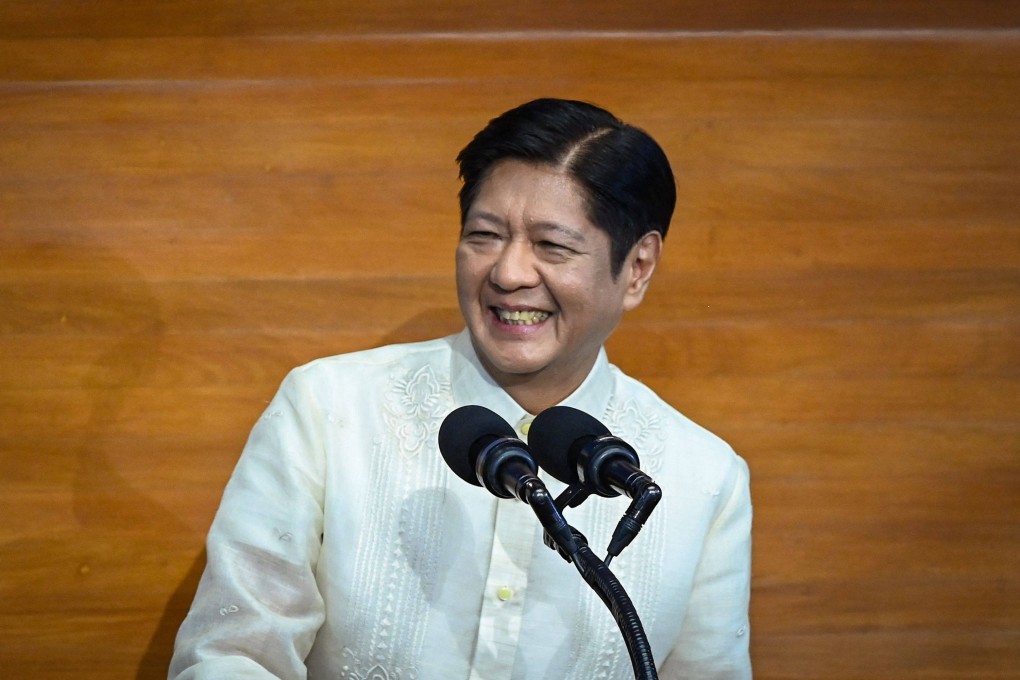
x=197 y=196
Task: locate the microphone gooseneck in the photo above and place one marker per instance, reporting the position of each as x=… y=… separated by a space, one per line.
x=603 y=581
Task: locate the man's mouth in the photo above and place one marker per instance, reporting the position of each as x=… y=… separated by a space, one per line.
x=521 y=318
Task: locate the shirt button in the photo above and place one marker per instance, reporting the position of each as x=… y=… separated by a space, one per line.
x=504 y=593
x=525 y=426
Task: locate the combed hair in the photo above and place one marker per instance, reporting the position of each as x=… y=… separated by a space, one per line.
x=628 y=184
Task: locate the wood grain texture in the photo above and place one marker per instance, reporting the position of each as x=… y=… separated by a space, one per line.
x=196 y=197
x=306 y=17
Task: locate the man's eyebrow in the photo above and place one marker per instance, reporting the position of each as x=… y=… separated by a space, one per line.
x=484 y=216
x=569 y=232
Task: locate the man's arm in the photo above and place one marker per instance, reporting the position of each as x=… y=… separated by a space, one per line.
x=257 y=609
x=714 y=639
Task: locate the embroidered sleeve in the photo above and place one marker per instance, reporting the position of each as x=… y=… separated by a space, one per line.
x=715 y=633
x=257 y=608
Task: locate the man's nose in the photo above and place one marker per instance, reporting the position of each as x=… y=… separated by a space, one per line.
x=515 y=268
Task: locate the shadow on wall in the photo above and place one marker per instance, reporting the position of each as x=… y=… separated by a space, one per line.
x=425 y=325
x=156 y=660
x=121 y=544
x=129 y=538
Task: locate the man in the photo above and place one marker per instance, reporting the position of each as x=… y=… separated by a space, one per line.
x=345 y=548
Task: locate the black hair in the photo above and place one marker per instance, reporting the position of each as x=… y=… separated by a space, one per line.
x=626 y=178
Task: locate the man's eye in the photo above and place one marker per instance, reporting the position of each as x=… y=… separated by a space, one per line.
x=481 y=235
x=555 y=247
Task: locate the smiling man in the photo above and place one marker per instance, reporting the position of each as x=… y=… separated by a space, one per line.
x=344 y=547
x=537 y=283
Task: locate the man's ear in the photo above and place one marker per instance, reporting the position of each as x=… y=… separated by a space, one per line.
x=639 y=267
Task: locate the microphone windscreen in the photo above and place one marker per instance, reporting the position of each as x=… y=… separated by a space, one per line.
x=459 y=437
x=555 y=432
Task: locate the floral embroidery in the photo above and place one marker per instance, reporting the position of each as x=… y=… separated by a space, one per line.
x=353 y=670
x=642 y=429
x=416 y=404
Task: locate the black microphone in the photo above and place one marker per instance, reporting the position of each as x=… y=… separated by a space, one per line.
x=482 y=449
x=577 y=449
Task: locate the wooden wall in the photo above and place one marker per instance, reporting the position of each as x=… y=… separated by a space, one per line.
x=197 y=196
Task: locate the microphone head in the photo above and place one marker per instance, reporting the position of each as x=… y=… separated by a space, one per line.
x=557 y=435
x=464 y=433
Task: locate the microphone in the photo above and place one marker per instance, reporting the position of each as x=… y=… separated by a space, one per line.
x=482 y=449
x=578 y=450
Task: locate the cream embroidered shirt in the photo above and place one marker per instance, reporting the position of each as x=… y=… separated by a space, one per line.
x=344 y=548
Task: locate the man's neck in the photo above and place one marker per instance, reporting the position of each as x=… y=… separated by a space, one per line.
x=537 y=392
x=535 y=398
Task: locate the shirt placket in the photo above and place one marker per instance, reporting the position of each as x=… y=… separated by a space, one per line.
x=506 y=585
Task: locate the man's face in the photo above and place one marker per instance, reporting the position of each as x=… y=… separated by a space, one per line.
x=534 y=279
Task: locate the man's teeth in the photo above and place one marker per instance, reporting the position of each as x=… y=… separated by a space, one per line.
x=525 y=318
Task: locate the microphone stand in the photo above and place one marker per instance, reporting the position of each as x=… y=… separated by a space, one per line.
x=607 y=586
x=506 y=471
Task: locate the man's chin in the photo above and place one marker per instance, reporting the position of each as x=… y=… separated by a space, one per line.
x=515 y=368
x=521 y=366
